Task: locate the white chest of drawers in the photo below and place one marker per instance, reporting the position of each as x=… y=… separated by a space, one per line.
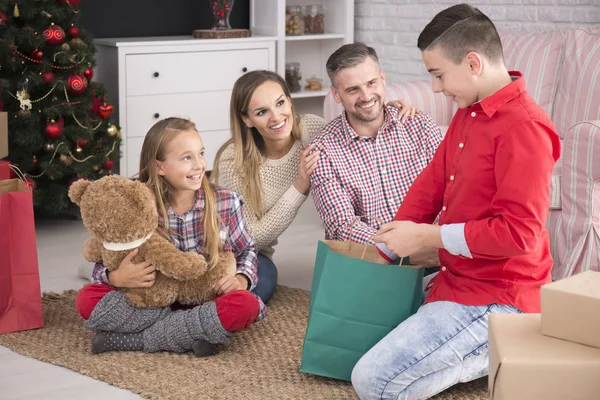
x=153 y=78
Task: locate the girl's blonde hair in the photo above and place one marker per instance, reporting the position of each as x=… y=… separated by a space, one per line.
x=248 y=144
x=155 y=149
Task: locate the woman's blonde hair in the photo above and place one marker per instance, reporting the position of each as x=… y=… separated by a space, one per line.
x=155 y=149
x=248 y=144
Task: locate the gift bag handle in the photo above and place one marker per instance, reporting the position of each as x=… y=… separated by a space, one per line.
x=20 y=175
x=366 y=244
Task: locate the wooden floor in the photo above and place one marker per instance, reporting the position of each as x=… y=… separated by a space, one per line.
x=59 y=252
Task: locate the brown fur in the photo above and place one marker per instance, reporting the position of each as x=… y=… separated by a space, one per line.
x=118 y=210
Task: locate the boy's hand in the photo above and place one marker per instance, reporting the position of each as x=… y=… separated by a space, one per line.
x=427 y=257
x=404 y=238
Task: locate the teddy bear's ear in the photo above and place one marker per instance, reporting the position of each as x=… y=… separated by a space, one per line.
x=77 y=190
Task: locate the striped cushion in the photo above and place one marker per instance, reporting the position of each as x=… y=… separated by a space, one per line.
x=575 y=230
x=555 y=186
x=578 y=97
x=420 y=94
x=538 y=57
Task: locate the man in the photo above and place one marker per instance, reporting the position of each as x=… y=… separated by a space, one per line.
x=369 y=157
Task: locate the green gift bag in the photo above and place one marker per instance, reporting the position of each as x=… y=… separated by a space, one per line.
x=354 y=303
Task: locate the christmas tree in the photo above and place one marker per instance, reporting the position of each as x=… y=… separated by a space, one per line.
x=60 y=126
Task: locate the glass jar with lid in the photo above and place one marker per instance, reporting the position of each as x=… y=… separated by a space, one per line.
x=294 y=21
x=314 y=19
x=292 y=76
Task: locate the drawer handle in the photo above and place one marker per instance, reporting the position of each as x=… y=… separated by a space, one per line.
x=156 y=74
x=244 y=69
x=156 y=115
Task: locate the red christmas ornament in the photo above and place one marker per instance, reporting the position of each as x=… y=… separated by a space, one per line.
x=105 y=110
x=54 y=35
x=77 y=84
x=37 y=55
x=34 y=160
x=82 y=142
x=54 y=128
x=2 y=18
x=89 y=74
x=48 y=77
x=73 y=31
x=74 y=3
x=108 y=164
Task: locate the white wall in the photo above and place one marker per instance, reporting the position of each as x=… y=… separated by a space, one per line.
x=393 y=26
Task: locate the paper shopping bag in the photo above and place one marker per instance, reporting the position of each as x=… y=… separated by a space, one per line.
x=20 y=295
x=354 y=303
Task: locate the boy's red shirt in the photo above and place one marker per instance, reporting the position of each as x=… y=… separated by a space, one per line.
x=492 y=171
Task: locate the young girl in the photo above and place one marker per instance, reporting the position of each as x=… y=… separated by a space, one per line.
x=197 y=217
x=268 y=162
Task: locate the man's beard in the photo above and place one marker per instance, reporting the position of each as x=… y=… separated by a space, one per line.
x=358 y=116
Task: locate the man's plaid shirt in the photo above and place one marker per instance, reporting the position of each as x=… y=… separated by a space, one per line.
x=368 y=176
x=187 y=234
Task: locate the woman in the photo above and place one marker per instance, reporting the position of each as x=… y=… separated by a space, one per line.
x=269 y=162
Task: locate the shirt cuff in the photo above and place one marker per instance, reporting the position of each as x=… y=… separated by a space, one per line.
x=453 y=238
x=386 y=253
x=248 y=273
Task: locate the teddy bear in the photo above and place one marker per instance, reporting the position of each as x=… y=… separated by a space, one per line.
x=121 y=216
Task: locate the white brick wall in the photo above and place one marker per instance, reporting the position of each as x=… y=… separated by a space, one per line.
x=393 y=26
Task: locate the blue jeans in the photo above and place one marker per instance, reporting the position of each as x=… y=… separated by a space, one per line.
x=267 y=278
x=444 y=343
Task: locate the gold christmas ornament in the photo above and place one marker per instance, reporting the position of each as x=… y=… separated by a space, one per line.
x=65 y=47
x=48 y=147
x=78 y=42
x=78 y=149
x=16 y=12
x=66 y=160
x=96 y=167
x=112 y=130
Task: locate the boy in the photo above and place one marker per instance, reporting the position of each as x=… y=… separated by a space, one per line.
x=489 y=181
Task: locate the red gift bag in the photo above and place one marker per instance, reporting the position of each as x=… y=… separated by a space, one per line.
x=20 y=294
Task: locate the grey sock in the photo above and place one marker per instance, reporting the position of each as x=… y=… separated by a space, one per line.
x=202 y=348
x=114 y=314
x=113 y=341
x=179 y=330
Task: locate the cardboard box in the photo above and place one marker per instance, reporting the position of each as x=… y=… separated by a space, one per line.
x=526 y=365
x=3 y=134
x=571 y=309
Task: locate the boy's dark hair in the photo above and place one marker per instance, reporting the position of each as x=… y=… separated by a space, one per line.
x=460 y=29
x=347 y=56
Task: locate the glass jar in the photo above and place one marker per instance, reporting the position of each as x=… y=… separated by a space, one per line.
x=292 y=76
x=314 y=83
x=294 y=21
x=314 y=19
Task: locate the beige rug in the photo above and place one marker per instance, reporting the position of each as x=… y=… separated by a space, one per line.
x=261 y=362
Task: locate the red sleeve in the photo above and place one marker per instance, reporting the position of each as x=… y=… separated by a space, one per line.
x=525 y=157
x=423 y=201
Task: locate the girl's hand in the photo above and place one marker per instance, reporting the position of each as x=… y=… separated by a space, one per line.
x=131 y=275
x=308 y=163
x=406 y=111
x=231 y=283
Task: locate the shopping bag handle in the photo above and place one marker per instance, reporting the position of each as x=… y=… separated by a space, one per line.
x=359 y=217
x=20 y=175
